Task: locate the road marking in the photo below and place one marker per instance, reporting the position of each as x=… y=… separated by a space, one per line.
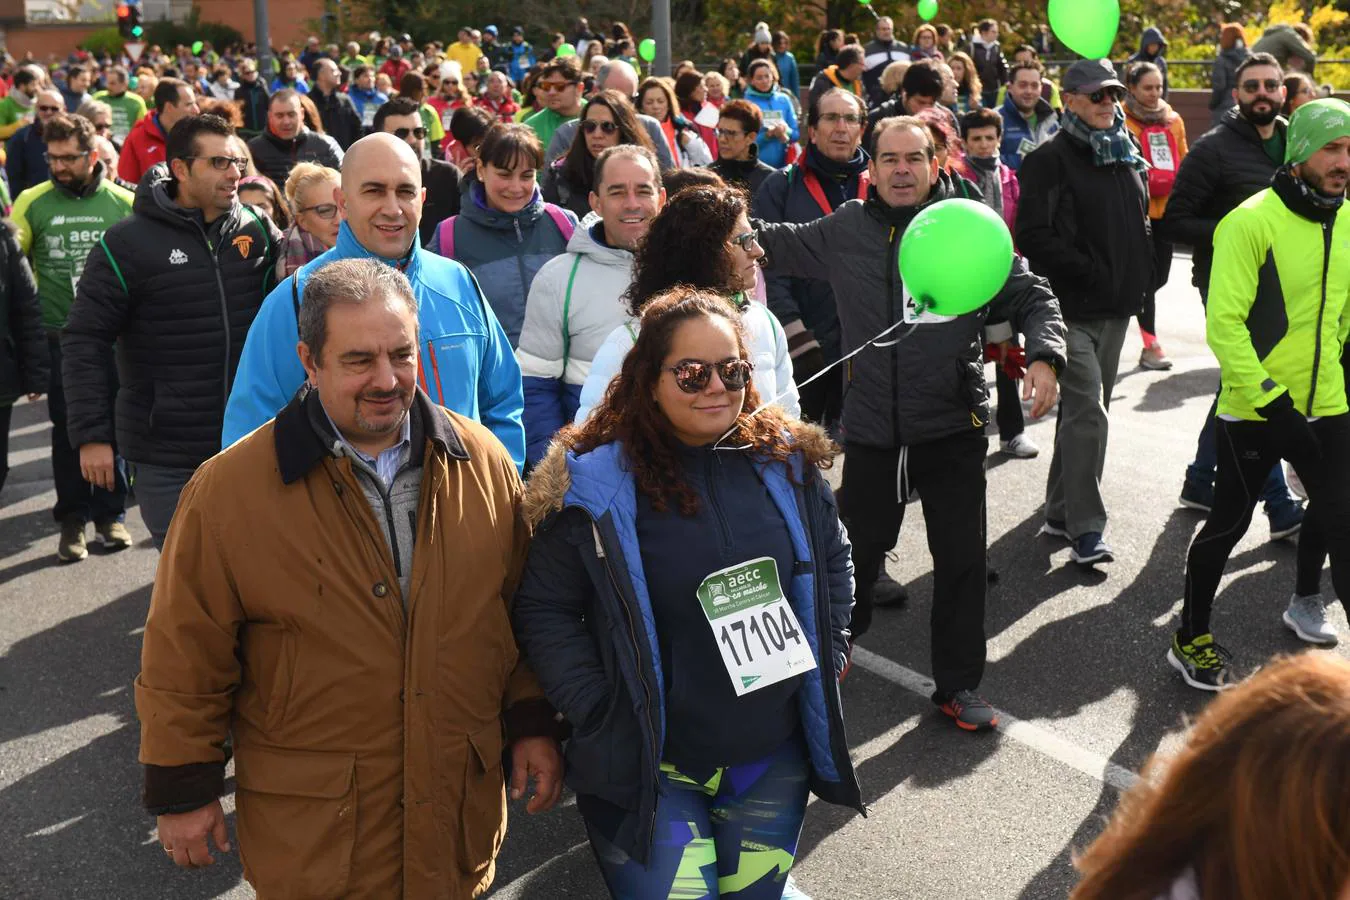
x=1042 y=741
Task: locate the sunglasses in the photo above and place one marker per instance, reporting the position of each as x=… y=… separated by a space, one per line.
x=1252 y=86
x=590 y=125
x=744 y=241
x=1113 y=94
x=51 y=109
x=556 y=87
x=324 y=211
x=402 y=133
x=221 y=163
x=692 y=376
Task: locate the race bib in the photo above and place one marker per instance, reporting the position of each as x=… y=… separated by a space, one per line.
x=1026 y=146
x=773 y=115
x=1160 y=152
x=756 y=630
x=913 y=315
x=368 y=115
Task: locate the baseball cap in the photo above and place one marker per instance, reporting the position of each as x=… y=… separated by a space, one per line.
x=1089 y=75
x=491 y=29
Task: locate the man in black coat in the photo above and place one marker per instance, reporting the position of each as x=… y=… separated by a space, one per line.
x=175 y=288
x=1229 y=163
x=26 y=151
x=287 y=141
x=252 y=95
x=441 y=180
x=340 y=119
x=1083 y=224
x=24 y=357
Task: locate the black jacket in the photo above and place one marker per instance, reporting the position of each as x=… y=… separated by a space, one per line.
x=1085 y=228
x=559 y=190
x=928 y=382
x=749 y=173
x=253 y=97
x=26 y=159
x=443 y=184
x=340 y=119
x=275 y=157
x=1223 y=168
x=24 y=357
x=177 y=297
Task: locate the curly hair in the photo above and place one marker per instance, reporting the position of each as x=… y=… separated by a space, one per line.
x=631 y=416
x=687 y=245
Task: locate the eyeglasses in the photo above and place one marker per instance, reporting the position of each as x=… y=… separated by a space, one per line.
x=590 y=125
x=402 y=133
x=221 y=163
x=1113 y=94
x=730 y=132
x=692 y=376
x=64 y=160
x=1251 y=86
x=745 y=240
x=50 y=109
x=103 y=126
x=555 y=87
x=449 y=81
x=324 y=211
x=836 y=118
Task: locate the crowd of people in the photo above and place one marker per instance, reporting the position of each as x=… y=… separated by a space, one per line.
x=542 y=480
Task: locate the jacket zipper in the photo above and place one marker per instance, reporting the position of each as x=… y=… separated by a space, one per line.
x=1321 y=313
x=520 y=256
x=711 y=460
x=891 y=257
x=224 y=312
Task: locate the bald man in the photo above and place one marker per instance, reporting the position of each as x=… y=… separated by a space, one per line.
x=466 y=363
x=26 y=151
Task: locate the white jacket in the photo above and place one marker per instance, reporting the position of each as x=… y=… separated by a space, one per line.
x=768 y=351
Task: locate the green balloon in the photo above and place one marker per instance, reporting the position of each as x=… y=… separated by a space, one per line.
x=1087 y=27
x=196 y=47
x=647 y=49
x=865 y=2
x=948 y=231
x=567 y=50
x=928 y=9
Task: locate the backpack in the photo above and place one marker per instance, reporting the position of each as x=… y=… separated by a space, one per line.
x=1159 y=146
x=445 y=232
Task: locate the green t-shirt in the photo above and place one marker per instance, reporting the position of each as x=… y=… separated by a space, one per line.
x=12 y=115
x=127 y=110
x=545 y=122
x=1274 y=147
x=57 y=230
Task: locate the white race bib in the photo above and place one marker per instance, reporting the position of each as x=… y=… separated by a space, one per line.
x=757 y=632
x=368 y=115
x=913 y=315
x=1160 y=151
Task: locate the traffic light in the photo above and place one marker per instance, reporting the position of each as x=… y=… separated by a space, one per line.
x=137 y=31
x=129 y=21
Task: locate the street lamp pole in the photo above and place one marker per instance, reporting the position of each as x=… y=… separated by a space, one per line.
x=661 y=34
x=261 y=29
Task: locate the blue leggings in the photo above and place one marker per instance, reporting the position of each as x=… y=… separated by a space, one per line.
x=732 y=836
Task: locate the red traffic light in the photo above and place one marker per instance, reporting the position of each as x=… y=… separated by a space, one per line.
x=123 y=11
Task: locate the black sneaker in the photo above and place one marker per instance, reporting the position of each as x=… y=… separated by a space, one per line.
x=968 y=710
x=1203 y=664
x=889 y=592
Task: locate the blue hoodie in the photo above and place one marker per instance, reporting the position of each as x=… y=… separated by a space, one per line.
x=366 y=103
x=774 y=152
x=466 y=364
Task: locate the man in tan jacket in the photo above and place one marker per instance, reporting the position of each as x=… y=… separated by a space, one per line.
x=334 y=593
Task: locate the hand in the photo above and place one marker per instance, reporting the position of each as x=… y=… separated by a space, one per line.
x=1290 y=431
x=183 y=836
x=807 y=364
x=97 y=465
x=1042 y=385
x=35 y=396
x=539 y=758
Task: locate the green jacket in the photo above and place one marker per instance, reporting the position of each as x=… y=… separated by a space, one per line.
x=127 y=110
x=1278 y=316
x=57 y=228
x=14 y=115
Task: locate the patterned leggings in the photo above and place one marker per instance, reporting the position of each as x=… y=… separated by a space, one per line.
x=732 y=837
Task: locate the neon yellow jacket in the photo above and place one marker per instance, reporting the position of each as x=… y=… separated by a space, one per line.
x=1277 y=316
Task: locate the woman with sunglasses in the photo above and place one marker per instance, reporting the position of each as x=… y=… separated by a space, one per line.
x=315 y=216
x=656 y=98
x=444 y=81
x=702 y=237
x=685 y=605
x=607 y=121
x=505 y=232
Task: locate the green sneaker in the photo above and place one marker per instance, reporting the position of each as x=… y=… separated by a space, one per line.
x=1203 y=663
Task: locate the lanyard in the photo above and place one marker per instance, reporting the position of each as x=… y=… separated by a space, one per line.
x=818 y=193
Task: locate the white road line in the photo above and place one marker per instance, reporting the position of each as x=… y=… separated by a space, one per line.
x=1046 y=743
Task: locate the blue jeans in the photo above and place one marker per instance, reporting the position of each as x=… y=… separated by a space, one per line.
x=1274 y=492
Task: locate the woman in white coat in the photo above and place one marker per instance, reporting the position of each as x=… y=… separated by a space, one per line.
x=703 y=239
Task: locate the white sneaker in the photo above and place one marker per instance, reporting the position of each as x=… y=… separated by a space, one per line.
x=1021 y=447
x=1307 y=618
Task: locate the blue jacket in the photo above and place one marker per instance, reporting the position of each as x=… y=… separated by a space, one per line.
x=465 y=365
x=788 y=76
x=363 y=100
x=25 y=160
x=583 y=618
x=774 y=152
x=1019 y=138
x=522 y=59
x=504 y=251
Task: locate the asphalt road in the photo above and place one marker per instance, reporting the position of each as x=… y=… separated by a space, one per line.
x=1075 y=662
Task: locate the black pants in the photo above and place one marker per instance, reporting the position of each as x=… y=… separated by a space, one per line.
x=949 y=475
x=1246 y=454
x=5 y=413
x=76 y=498
x=1162 y=268
x=1009 y=413
x=822 y=400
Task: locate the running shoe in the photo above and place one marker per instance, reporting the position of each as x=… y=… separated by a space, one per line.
x=1203 y=664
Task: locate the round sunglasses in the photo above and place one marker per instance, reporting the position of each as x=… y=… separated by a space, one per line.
x=692 y=376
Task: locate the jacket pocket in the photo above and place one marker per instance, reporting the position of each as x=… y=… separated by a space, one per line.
x=297 y=820
x=269 y=652
x=482 y=824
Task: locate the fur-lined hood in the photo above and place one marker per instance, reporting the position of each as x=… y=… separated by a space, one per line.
x=551 y=479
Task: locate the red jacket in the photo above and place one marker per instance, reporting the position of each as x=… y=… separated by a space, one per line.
x=396 y=69
x=143 y=148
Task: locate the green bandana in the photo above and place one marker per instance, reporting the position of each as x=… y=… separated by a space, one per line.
x=1314 y=125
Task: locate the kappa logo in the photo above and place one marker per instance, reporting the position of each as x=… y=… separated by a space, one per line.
x=243 y=244
x=178 y=257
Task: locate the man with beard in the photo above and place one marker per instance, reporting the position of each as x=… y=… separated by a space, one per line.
x=57 y=223
x=1277 y=319
x=1230 y=163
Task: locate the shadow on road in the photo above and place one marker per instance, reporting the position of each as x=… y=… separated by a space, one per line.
x=1174 y=390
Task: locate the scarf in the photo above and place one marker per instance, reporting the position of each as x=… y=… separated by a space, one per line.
x=986 y=177
x=1159 y=116
x=1303 y=199
x=1110 y=146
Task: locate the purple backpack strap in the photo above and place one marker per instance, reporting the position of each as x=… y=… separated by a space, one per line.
x=445 y=238
x=560 y=219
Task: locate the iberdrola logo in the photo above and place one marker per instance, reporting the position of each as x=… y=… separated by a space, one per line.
x=243 y=243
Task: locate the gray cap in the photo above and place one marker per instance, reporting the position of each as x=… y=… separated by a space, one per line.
x=1089 y=75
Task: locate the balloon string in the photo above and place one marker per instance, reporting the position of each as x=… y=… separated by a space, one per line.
x=873 y=341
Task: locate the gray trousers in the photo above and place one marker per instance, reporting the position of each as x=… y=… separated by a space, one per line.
x=157 y=489
x=1074 y=492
